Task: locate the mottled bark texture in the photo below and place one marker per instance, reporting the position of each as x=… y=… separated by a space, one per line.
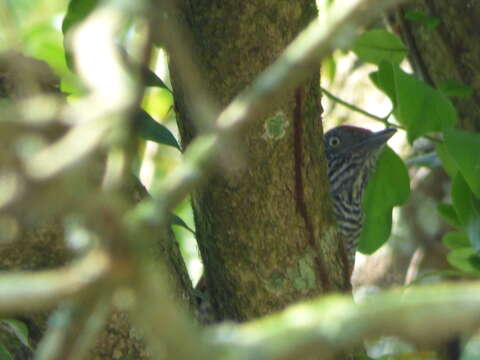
x=266 y=232
x=450 y=51
x=39 y=243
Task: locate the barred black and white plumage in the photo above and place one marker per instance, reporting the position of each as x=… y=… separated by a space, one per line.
x=352 y=153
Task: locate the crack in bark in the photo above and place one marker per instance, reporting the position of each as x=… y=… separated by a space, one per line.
x=299 y=189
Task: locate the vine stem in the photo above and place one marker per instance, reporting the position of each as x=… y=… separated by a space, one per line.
x=383 y=120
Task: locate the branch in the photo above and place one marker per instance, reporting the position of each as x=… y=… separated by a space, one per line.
x=336 y=323
x=41 y=290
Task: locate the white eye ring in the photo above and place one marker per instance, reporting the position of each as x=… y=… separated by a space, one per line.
x=334 y=141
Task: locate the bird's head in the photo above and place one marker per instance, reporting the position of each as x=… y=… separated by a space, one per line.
x=352 y=153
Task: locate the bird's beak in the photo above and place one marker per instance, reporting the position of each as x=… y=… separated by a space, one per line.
x=376 y=140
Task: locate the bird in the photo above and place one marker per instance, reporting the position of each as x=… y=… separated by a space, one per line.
x=352 y=153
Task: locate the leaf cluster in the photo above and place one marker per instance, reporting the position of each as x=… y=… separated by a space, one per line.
x=422 y=110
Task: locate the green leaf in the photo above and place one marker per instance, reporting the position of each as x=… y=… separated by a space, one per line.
x=420 y=108
x=19 y=329
x=388 y=187
x=449 y=214
x=456 y=240
x=178 y=221
x=384 y=79
x=78 y=10
x=149 y=77
x=463 y=147
x=4 y=353
x=376 y=45
x=464 y=259
x=447 y=160
x=150 y=129
x=152 y=80
x=420 y=17
x=455 y=88
x=467 y=207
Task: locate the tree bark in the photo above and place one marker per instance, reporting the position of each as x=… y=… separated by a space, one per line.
x=450 y=51
x=266 y=231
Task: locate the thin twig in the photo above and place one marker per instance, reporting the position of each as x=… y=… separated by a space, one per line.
x=383 y=120
x=356 y=108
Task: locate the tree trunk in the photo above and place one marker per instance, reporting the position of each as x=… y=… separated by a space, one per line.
x=450 y=51
x=266 y=232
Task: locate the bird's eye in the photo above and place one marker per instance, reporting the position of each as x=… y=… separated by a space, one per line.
x=334 y=141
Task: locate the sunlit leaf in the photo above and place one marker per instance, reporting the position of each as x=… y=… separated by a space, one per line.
x=467 y=207
x=420 y=108
x=388 y=187
x=376 y=45
x=329 y=68
x=20 y=330
x=420 y=17
x=150 y=129
x=463 y=147
x=158 y=101
x=455 y=240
